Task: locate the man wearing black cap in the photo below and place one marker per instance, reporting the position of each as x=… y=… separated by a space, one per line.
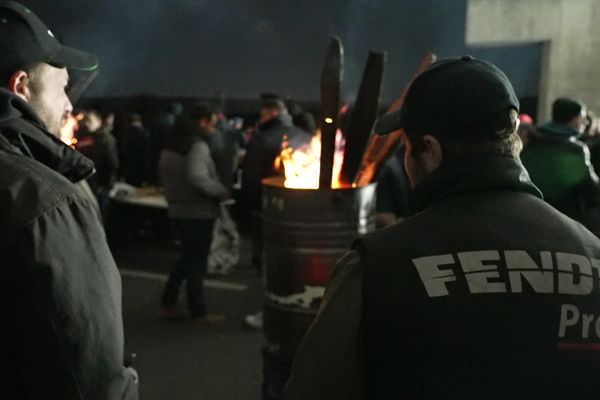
x=486 y=292
x=62 y=334
x=559 y=164
x=274 y=126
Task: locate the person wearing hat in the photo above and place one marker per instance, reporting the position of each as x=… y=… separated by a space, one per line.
x=559 y=164
x=275 y=125
x=485 y=292
x=62 y=332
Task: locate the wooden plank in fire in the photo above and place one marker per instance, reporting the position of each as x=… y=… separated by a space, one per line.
x=381 y=146
x=331 y=79
x=363 y=116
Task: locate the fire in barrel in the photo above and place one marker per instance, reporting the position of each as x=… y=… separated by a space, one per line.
x=311 y=217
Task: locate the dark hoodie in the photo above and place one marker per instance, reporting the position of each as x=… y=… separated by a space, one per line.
x=262 y=150
x=62 y=333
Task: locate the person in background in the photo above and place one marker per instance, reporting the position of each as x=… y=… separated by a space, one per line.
x=275 y=125
x=559 y=164
x=392 y=192
x=193 y=191
x=303 y=119
x=225 y=146
x=134 y=152
x=157 y=135
x=61 y=335
x=483 y=292
x=591 y=137
x=97 y=143
x=108 y=121
x=526 y=128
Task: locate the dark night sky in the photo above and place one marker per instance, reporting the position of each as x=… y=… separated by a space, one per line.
x=243 y=48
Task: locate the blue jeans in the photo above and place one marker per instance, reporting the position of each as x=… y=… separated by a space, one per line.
x=196 y=237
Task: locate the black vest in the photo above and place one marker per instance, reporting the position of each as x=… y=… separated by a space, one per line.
x=486 y=293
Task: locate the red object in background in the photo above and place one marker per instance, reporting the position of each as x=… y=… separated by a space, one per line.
x=315 y=272
x=525 y=119
x=84 y=143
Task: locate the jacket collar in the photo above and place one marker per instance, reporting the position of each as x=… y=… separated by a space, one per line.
x=558 y=131
x=475 y=174
x=21 y=127
x=283 y=120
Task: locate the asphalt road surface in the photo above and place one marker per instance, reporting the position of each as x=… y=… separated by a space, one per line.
x=182 y=360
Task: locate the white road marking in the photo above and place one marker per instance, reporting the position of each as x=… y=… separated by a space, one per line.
x=210 y=283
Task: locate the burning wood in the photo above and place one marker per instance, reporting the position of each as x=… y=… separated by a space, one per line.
x=363 y=116
x=380 y=147
x=331 y=81
x=330 y=160
x=302 y=165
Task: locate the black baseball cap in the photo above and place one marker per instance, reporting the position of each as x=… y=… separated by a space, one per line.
x=454 y=94
x=25 y=41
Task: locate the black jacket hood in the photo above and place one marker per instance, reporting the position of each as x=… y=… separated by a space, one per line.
x=27 y=135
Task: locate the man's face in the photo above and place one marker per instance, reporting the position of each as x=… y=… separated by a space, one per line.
x=92 y=122
x=267 y=113
x=48 y=98
x=208 y=125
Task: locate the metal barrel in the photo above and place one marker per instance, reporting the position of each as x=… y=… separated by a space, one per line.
x=305 y=232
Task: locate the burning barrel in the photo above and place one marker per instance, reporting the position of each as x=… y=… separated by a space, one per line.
x=304 y=233
x=311 y=218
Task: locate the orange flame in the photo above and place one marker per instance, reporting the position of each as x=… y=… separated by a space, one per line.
x=302 y=165
x=71 y=125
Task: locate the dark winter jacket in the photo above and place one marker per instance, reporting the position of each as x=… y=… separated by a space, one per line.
x=62 y=333
x=101 y=148
x=224 y=145
x=560 y=166
x=188 y=175
x=133 y=150
x=261 y=152
x=487 y=293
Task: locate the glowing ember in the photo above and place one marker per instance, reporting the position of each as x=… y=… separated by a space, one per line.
x=71 y=125
x=302 y=165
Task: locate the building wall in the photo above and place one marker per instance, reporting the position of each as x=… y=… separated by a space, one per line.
x=570 y=31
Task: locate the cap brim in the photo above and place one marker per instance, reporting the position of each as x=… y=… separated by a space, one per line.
x=389 y=123
x=75 y=59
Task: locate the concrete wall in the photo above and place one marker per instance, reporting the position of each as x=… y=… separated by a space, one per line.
x=570 y=30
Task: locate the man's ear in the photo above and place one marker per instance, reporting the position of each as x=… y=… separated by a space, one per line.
x=433 y=154
x=19 y=84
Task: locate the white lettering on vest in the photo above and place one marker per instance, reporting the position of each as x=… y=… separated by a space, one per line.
x=486 y=272
x=569 y=315
x=478 y=274
x=434 y=279
x=522 y=268
x=567 y=282
x=575 y=324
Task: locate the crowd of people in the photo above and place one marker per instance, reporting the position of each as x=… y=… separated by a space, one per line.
x=482 y=282
x=195 y=156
